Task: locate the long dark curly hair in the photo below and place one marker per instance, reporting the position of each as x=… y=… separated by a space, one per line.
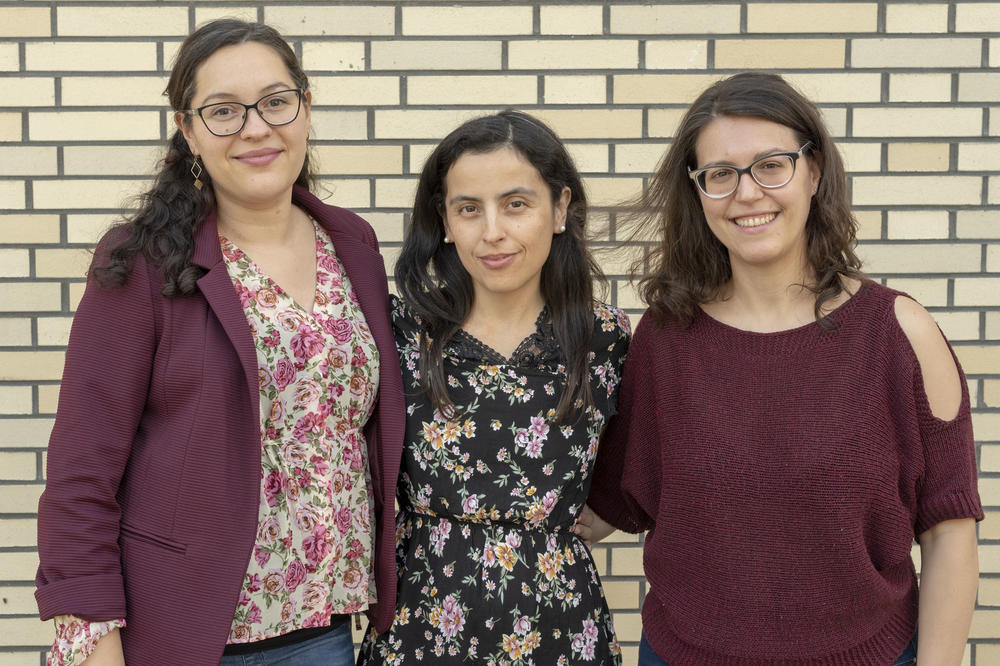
x=690 y=265
x=163 y=228
x=438 y=289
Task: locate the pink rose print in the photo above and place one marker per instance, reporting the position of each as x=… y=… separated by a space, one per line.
x=343 y=520
x=340 y=329
x=317 y=546
x=306 y=343
x=295 y=575
x=284 y=373
x=261 y=556
x=272 y=487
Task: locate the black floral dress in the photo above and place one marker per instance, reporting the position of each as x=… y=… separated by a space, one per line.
x=489 y=569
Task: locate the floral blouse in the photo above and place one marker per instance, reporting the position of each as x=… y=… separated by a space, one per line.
x=318 y=379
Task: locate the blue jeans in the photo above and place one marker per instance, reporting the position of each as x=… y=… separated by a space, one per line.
x=649 y=658
x=335 y=648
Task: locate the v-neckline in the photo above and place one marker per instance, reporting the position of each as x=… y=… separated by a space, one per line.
x=496 y=358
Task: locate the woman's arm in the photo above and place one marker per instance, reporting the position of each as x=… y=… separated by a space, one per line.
x=949 y=575
x=591 y=528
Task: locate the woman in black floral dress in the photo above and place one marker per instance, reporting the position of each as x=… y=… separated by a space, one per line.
x=512 y=371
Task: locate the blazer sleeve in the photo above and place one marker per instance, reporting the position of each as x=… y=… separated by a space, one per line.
x=101 y=401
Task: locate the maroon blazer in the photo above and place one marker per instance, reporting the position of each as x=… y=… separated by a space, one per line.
x=150 y=510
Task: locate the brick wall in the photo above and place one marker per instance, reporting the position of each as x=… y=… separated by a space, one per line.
x=911 y=90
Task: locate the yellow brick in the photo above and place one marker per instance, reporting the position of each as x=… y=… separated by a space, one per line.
x=470 y=20
x=94 y=125
x=676 y=54
x=355 y=90
x=28 y=91
x=395 y=192
x=913 y=17
x=977 y=291
x=905 y=87
x=628 y=626
x=978 y=156
x=403 y=55
x=916 y=190
x=861 y=156
x=593 y=123
x=10 y=125
x=333 y=56
x=12 y=194
x=989 y=488
x=918 y=156
x=551 y=54
x=110 y=160
x=584 y=89
x=48 y=398
x=17 y=466
x=20 y=498
x=835 y=120
x=959 y=325
x=589 y=157
x=600 y=557
x=989 y=555
x=14 y=400
x=972 y=17
x=62 y=263
x=205 y=14
x=993 y=325
x=20 y=22
x=977 y=224
x=779 y=53
x=915 y=224
x=639 y=158
x=90 y=56
x=838 y=88
x=978 y=87
x=911 y=122
x=608 y=191
x=664 y=122
x=332 y=20
x=869 y=224
x=572 y=20
x=812 y=17
x=14 y=331
x=420 y=123
x=16 y=366
x=14 y=263
x=349 y=193
x=989 y=457
x=10 y=59
x=993 y=197
x=995 y=121
x=929 y=292
x=993 y=258
x=626 y=562
x=916 y=52
x=661 y=88
x=120 y=21
x=87 y=193
x=339 y=125
x=25 y=631
x=27 y=161
x=986 y=653
x=390 y=255
x=54 y=331
x=994 y=52
x=924 y=258
x=17 y=599
x=114 y=91
x=622 y=594
x=88 y=228
x=353 y=160
x=419 y=154
x=457 y=90
x=388 y=226
x=76 y=290
x=672 y=19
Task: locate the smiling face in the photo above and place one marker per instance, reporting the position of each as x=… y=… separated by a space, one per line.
x=500 y=214
x=757 y=226
x=257 y=166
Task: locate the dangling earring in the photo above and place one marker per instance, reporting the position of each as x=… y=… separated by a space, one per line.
x=196 y=171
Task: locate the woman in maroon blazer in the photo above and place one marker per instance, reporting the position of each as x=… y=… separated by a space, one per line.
x=223 y=463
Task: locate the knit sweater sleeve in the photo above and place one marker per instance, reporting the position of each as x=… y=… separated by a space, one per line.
x=947 y=489
x=625 y=487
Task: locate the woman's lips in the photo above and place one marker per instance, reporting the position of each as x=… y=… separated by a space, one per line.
x=259 y=157
x=750 y=221
x=497 y=260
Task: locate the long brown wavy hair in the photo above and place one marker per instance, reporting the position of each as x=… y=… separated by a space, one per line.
x=163 y=228
x=690 y=266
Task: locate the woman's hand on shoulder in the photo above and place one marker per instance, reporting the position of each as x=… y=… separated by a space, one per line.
x=590 y=527
x=937 y=366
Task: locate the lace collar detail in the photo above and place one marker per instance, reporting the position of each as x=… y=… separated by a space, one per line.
x=539 y=348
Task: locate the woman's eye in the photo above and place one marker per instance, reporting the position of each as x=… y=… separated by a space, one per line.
x=720 y=174
x=468 y=209
x=769 y=164
x=517 y=203
x=222 y=112
x=275 y=102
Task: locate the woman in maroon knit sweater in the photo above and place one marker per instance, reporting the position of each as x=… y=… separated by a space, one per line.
x=786 y=427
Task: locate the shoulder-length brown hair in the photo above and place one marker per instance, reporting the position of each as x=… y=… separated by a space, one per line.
x=690 y=266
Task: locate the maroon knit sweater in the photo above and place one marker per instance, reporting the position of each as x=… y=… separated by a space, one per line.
x=782 y=478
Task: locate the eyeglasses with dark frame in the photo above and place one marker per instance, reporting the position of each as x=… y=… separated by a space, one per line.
x=228 y=118
x=718 y=181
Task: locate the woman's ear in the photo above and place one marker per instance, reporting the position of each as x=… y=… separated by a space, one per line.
x=561 y=207
x=182 y=121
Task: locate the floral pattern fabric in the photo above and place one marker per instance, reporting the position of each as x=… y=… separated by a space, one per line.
x=318 y=378
x=76 y=639
x=489 y=569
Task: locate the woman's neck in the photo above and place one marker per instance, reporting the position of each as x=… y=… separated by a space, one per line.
x=502 y=323
x=252 y=226
x=766 y=299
